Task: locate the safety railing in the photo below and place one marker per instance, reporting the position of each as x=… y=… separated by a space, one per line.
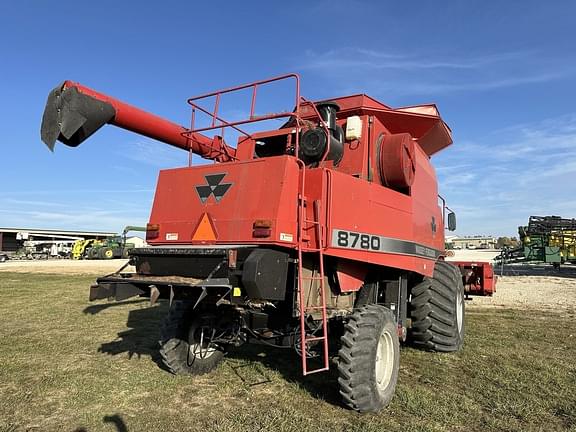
x=217 y=122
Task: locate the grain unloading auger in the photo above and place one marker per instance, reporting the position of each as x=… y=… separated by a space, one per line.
x=326 y=228
x=74 y=112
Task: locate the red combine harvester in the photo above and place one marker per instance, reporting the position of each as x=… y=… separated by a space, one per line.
x=328 y=228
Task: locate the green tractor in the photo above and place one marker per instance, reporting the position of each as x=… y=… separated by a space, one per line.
x=112 y=247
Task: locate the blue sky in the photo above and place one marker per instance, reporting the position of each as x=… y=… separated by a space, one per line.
x=502 y=73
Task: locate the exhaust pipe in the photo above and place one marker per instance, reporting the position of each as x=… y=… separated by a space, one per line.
x=70 y=116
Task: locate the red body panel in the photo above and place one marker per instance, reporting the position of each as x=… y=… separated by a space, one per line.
x=357 y=205
x=423 y=122
x=267 y=189
x=261 y=189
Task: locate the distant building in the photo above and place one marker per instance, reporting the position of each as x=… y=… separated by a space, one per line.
x=136 y=241
x=12 y=239
x=472 y=242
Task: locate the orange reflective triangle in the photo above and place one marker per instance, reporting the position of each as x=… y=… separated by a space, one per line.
x=205 y=229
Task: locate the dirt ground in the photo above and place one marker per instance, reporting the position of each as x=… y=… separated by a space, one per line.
x=543 y=292
x=96 y=267
x=520 y=292
x=484 y=255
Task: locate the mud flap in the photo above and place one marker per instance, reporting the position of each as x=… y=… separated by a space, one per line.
x=116 y=291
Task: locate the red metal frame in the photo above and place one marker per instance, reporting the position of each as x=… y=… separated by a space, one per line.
x=303 y=225
x=223 y=124
x=254 y=85
x=478 y=277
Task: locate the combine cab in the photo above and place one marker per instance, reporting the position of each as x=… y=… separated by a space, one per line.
x=326 y=228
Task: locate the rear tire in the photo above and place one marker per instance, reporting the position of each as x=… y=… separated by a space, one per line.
x=369 y=359
x=437 y=311
x=180 y=339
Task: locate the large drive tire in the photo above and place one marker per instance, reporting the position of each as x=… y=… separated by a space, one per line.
x=369 y=359
x=180 y=342
x=437 y=311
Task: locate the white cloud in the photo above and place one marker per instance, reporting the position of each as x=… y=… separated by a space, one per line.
x=56 y=193
x=498 y=181
x=356 y=69
x=361 y=58
x=74 y=210
x=154 y=153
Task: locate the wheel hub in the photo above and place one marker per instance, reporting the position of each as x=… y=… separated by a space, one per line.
x=459 y=311
x=384 y=363
x=200 y=341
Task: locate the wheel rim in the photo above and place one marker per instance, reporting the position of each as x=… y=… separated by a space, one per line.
x=384 y=361
x=199 y=342
x=459 y=311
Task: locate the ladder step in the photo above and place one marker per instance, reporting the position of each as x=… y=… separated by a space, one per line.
x=305 y=225
x=314 y=339
x=312 y=221
x=315 y=371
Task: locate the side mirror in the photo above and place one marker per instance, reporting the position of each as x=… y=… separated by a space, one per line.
x=451 y=221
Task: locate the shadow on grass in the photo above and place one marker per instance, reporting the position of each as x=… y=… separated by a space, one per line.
x=286 y=362
x=114 y=419
x=97 y=308
x=249 y=362
x=141 y=337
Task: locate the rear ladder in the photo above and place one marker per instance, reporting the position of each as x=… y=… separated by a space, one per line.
x=304 y=224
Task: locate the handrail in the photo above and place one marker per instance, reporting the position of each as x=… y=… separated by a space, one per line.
x=219 y=123
x=193 y=101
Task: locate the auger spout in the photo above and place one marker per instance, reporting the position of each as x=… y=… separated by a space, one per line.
x=74 y=112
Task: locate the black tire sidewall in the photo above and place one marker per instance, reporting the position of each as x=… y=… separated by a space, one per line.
x=434 y=310
x=385 y=396
x=175 y=347
x=357 y=363
x=458 y=294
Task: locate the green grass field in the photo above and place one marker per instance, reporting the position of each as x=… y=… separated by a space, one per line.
x=68 y=365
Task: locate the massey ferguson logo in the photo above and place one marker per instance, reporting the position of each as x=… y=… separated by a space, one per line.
x=215 y=187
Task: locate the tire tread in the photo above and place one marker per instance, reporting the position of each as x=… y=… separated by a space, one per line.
x=355 y=366
x=173 y=344
x=433 y=311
